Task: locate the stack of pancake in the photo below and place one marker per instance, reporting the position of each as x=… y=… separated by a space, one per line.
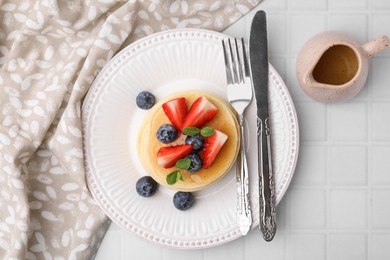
x=148 y=145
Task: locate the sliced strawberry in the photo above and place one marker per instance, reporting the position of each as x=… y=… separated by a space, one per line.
x=201 y=111
x=212 y=146
x=175 y=110
x=168 y=156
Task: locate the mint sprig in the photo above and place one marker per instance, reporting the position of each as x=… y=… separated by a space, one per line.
x=207 y=131
x=184 y=163
x=173 y=177
x=191 y=131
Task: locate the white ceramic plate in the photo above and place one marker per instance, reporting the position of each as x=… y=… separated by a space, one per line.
x=165 y=63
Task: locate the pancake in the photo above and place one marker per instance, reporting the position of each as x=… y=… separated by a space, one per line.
x=148 y=145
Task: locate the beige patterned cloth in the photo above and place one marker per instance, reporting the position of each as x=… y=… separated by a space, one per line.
x=50 y=53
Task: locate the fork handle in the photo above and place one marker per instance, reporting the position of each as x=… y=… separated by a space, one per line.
x=244 y=216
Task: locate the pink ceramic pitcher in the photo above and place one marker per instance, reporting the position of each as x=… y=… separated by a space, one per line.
x=333 y=68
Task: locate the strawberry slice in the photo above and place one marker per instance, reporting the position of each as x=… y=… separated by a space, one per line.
x=168 y=156
x=201 y=111
x=175 y=110
x=212 y=146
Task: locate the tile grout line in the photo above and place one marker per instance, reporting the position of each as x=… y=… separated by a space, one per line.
x=369 y=146
x=327 y=162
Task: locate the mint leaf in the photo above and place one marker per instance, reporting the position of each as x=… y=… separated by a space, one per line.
x=173 y=177
x=191 y=131
x=183 y=163
x=207 y=131
x=179 y=176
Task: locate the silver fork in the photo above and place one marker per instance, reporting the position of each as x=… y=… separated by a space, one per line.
x=239 y=92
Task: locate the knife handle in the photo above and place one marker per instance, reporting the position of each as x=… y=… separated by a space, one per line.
x=267 y=198
x=244 y=216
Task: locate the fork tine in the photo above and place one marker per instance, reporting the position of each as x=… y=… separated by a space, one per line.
x=233 y=55
x=228 y=62
x=240 y=51
x=236 y=61
x=245 y=59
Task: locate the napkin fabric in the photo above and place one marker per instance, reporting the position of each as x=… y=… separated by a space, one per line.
x=50 y=53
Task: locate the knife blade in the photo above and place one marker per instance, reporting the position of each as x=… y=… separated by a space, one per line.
x=258 y=53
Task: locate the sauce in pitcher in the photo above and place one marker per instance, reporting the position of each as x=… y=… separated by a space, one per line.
x=338 y=65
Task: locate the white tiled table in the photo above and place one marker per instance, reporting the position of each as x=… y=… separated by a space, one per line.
x=338 y=204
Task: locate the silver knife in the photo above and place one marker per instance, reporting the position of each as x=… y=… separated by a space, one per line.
x=258 y=52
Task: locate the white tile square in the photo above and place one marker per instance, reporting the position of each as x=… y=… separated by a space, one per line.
x=348 y=209
x=379 y=26
x=111 y=247
x=271 y=16
x=174 y=254
x=348 y=246
x=353 y=119
x=380 y=86
x=308 y=246
x=237 y=30
x=364 y=92
x=312 y=121
x=380 y=209
x=277 y=34
x=232 y=250
x=348 y=5
x=307 y=208
x=348 y=165
x=380 y=165
x=380 y=248
x=311 y=166
x=308 y=5
x=293 y=85
x=380 y=124
x=255 y=246
x=300 y=31
x=354 y=25
x=145 y=249
x=281 y=213
x=380 y=4
x=272 y=5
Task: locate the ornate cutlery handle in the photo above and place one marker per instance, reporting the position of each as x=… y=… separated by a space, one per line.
x=244 y=216
x=266 y=181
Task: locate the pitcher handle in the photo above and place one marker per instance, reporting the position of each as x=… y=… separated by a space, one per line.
x=376 y=45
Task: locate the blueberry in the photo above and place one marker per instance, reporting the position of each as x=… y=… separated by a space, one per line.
x=196 y=141
x=145 y=100
x=146 y=186
x=183 y=200
x=196 y=162
x=166 y=133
